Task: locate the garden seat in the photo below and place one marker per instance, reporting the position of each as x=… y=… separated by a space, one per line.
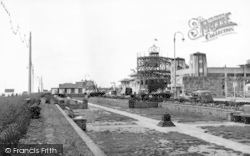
x=79 y=120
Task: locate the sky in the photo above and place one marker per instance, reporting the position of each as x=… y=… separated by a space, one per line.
x=73 y=40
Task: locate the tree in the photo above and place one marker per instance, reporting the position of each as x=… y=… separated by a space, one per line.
x=154 y=85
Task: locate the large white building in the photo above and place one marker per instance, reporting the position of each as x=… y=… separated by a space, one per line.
x=221 y=81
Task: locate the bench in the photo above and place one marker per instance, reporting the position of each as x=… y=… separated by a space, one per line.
x=243 y=116
x=70 y=112
x=79 y=120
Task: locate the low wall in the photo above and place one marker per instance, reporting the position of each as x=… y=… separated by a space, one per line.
x=123 y=103
x=112 y=102
x=217 y=112
x=142 y=104
x=73 y=104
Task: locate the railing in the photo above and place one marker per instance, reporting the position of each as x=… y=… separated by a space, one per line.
x=241 y=94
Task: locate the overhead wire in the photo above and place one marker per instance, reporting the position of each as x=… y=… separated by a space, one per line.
x=17 y=30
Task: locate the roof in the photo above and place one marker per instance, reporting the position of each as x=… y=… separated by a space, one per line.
x=199 y=53
x=9 y=90
x=179 y=58
x=87 y=84
x=126 y=79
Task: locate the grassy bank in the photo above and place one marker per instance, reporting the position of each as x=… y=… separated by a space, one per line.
x=14 y=118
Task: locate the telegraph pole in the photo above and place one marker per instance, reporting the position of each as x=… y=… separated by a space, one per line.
x=30 y=65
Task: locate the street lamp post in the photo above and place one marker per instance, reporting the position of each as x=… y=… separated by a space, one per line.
x=175 y=89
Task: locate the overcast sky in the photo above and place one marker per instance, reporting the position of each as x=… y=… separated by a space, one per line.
x=99 y=39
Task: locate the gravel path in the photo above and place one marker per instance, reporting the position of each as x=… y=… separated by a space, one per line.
x=53 y=128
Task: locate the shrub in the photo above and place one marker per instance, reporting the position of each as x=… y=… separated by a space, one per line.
x=50 y=99
x=35 y=111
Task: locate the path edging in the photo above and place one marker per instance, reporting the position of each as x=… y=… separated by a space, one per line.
x=90 y=143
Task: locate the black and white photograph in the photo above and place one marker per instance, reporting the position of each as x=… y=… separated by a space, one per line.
x=124 y=78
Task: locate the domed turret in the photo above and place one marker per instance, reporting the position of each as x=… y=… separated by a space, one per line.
x=154 y=50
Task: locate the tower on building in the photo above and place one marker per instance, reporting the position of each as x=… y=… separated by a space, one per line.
x=198 y=64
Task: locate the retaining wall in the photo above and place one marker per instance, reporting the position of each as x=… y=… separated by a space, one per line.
x=123 y=103
x=217 y=112
x=142 y=104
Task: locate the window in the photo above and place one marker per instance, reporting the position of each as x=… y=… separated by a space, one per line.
x=80 y=90
x=239 y=75
x=201 y=70
x=72 y=90
x=230 y=74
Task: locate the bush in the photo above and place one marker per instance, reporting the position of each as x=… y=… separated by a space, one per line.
x=35 y=111
x=50 y=99
x=93 y=94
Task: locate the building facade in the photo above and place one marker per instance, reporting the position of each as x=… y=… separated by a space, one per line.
x=221 y=81
x=9 y=92
x=152 y=73
x=81 y=87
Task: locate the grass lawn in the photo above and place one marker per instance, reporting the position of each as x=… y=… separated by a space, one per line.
x=123 y=143
x=240 y=134
x=156 y=113
x=119 y=135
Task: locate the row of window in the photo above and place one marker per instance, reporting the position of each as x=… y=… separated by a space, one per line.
x=229 y=74
x=153 y=81
x=74 y=90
